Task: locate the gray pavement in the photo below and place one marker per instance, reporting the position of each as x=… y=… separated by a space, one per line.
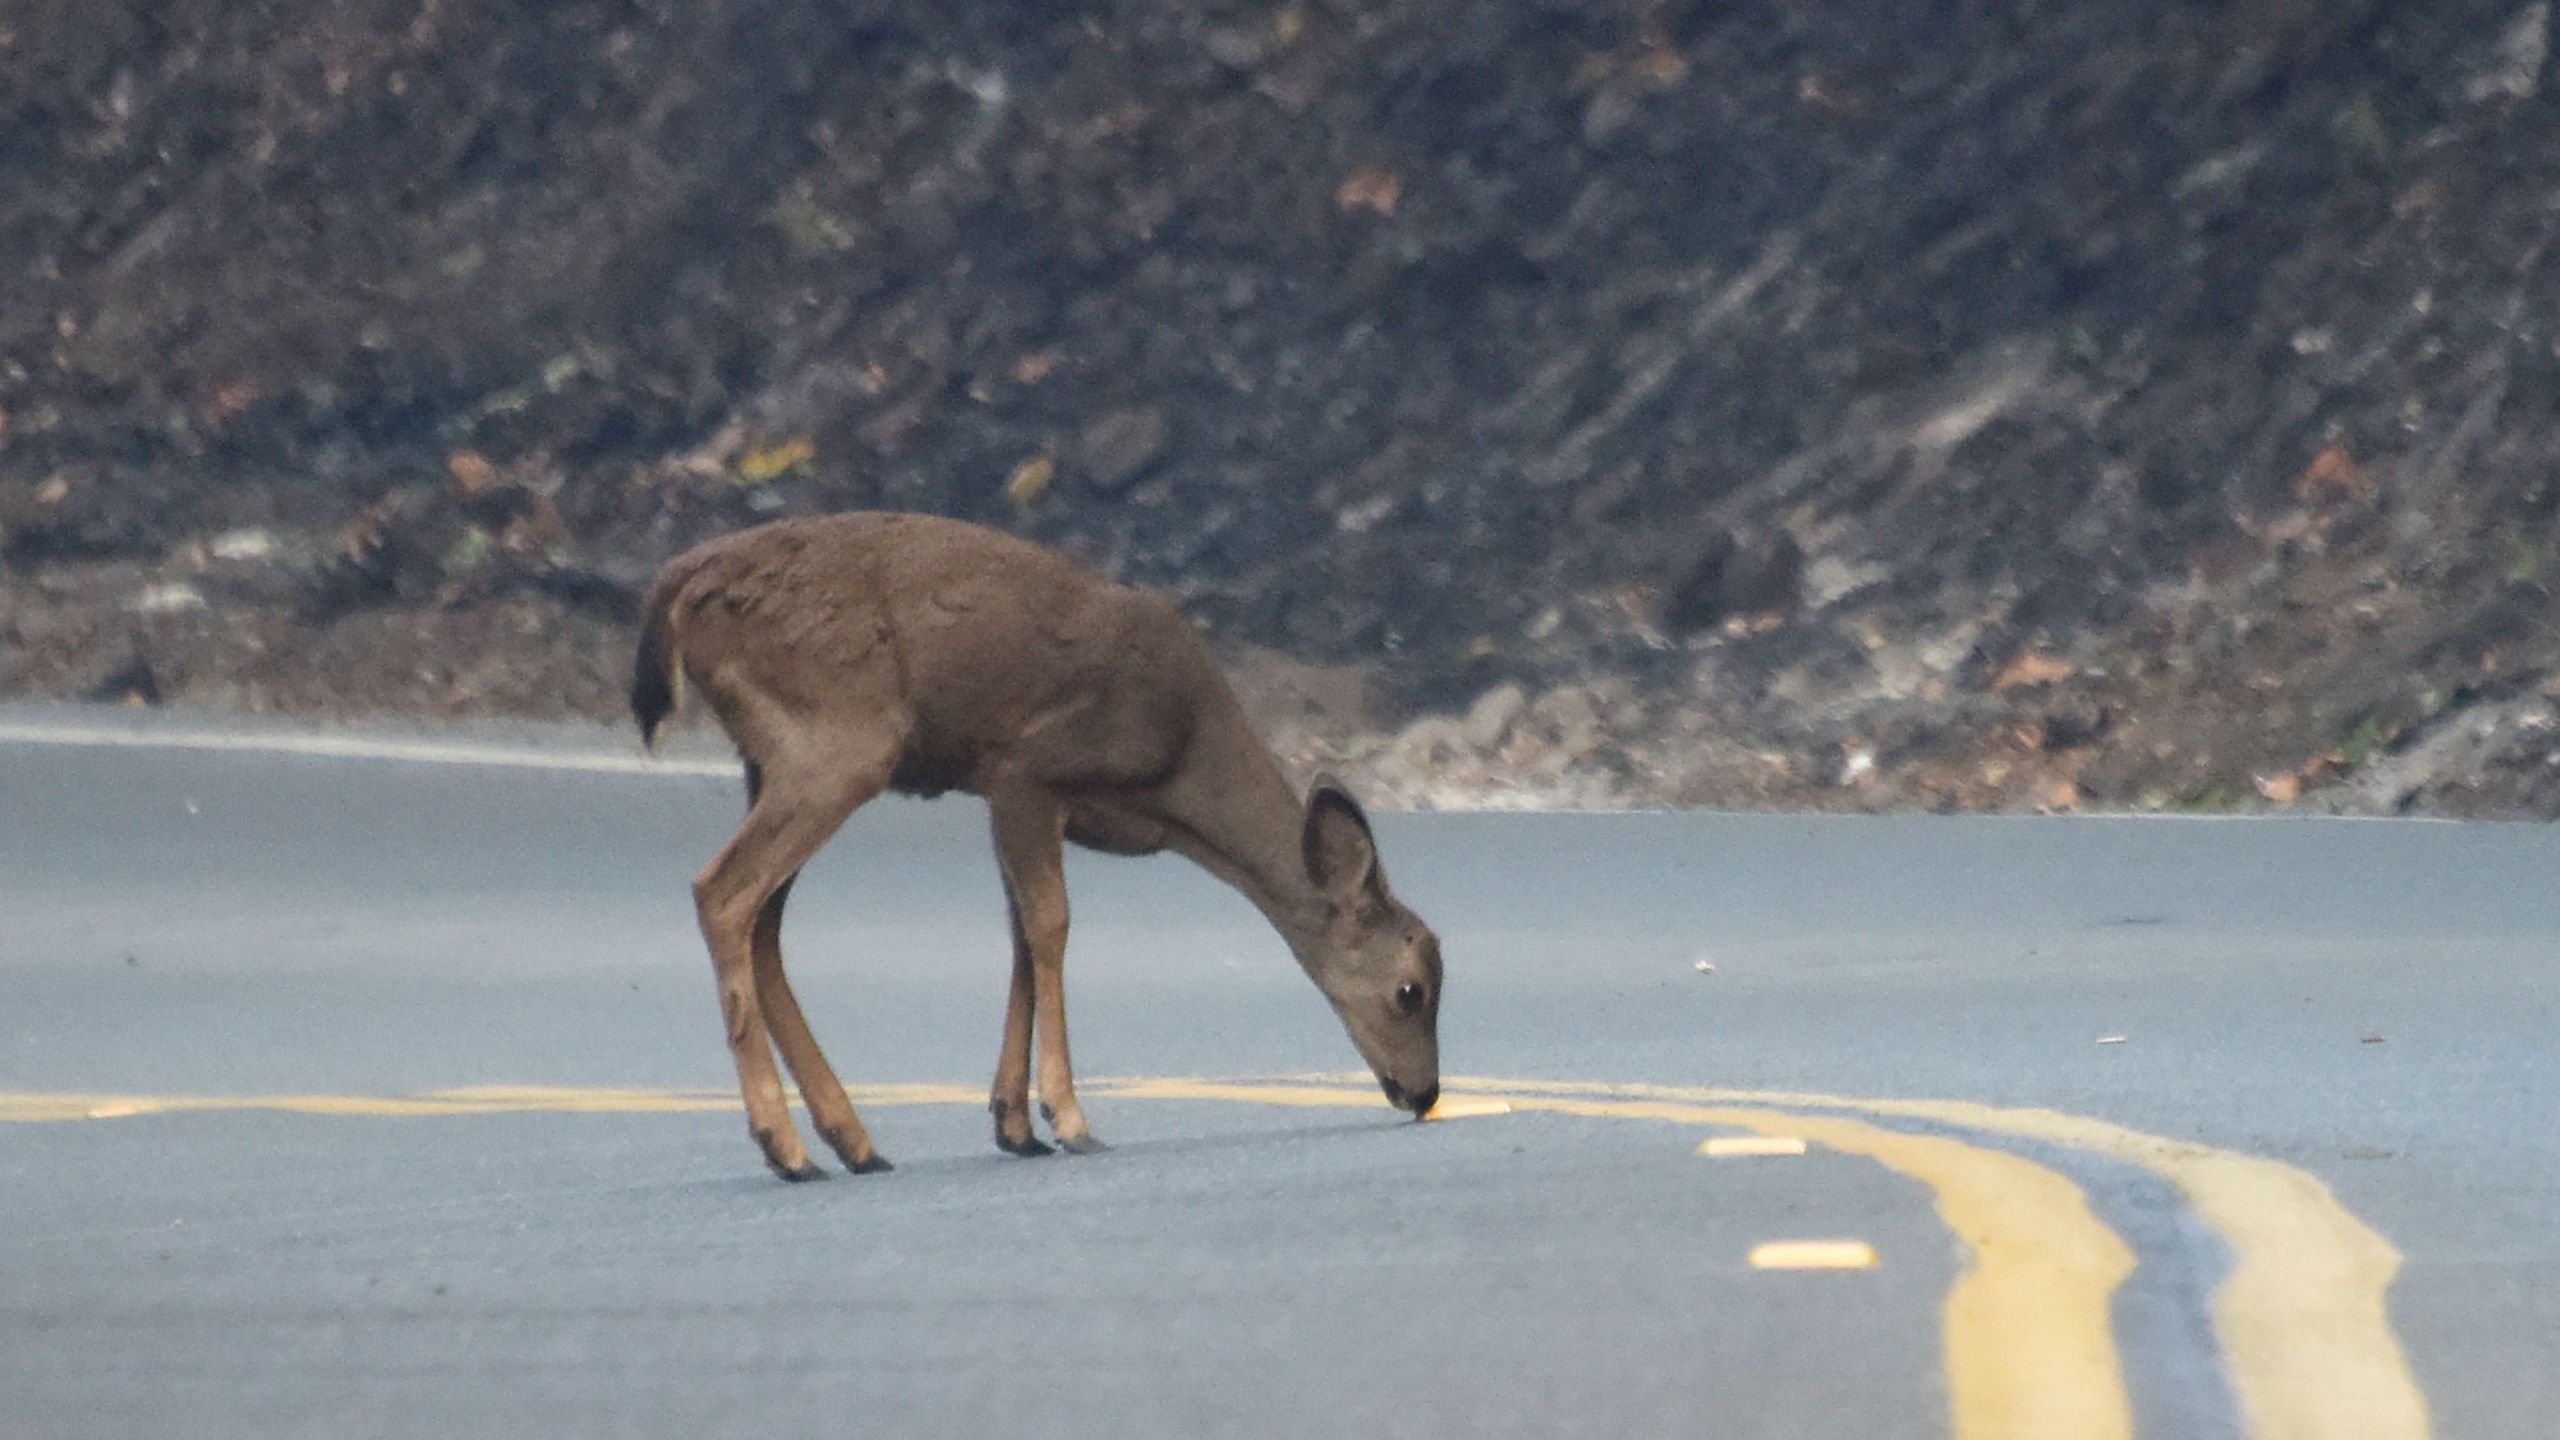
x=2374 y=1003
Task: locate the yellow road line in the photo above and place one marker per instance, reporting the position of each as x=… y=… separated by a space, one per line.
x=1463 y=1107
x=1813 y=1255
x=473 y=1100
x=2030 y=1353
x=1735 y=1147
x=2302 y=1319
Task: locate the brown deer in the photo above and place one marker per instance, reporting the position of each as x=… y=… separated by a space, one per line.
x=850 y=654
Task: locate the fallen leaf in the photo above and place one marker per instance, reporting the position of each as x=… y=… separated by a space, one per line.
x=2333 y=474
x=1030 y=478
x=2282 y=789
x=472 y=473
x=230 y=400
x=2032 y=668
x=1033 y=368
x=711 y=457
x=771 y=462
x=1371 y=187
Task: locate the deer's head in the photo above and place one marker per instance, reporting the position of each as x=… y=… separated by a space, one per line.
x=1373 y=958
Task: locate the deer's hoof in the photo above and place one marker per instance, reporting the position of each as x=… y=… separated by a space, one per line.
x=1009 y=1118
x=782 y=1165
x=1085 y=1144
x=858 y=1156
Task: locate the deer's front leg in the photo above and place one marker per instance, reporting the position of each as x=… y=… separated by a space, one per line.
x=1010 y=1100
x=1030 y=831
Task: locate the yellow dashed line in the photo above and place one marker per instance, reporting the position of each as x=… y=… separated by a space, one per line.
x=1814 y=1255
x=1728 y=1147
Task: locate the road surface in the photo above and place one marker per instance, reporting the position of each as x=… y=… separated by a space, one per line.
x=380 y=1091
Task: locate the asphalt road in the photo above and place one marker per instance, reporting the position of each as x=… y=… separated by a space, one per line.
x=345 y=1095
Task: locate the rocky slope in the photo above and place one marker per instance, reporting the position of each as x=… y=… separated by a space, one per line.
x=1985 y=405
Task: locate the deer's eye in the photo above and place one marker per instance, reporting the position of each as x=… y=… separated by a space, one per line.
x=1409 y=998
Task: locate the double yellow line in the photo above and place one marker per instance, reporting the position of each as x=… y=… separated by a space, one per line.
x=2301 y=1318
x=2030 y=1347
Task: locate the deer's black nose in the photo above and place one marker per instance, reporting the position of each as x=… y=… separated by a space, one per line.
x=1423 y=1102
x=1395 y=1092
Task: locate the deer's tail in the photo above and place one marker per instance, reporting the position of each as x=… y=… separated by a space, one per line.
x=657 y=678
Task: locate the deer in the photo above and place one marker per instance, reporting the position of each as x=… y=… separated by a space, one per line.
x=853 y=654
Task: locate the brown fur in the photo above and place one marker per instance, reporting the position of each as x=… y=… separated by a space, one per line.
x=850 y=654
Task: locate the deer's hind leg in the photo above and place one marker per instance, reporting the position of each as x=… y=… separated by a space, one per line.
x=738 y=899
x=830 y=1109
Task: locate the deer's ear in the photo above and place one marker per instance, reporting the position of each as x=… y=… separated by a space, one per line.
x=1341 y=857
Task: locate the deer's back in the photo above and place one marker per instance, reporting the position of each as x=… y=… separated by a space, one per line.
x=975 y=648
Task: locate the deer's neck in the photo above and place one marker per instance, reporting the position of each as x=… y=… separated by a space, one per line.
x=1240 y=819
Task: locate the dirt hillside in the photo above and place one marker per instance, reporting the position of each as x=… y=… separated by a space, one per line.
x=2008 y=405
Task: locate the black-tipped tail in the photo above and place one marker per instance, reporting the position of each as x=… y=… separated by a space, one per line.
x=653 y=670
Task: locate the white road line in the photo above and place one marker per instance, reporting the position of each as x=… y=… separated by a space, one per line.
x=499 y=755
x=357 y=747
